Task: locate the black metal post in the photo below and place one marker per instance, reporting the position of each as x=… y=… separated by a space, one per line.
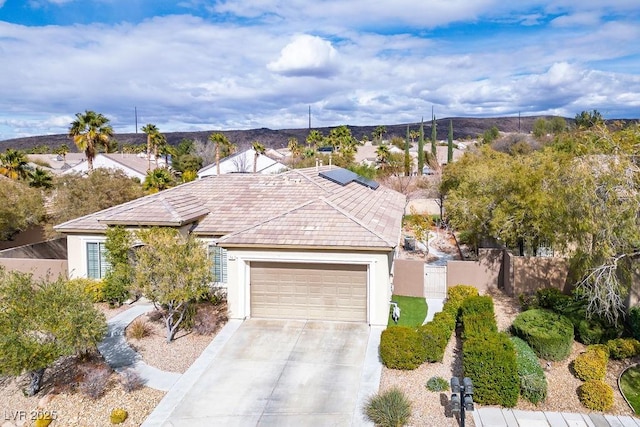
x=461 y=397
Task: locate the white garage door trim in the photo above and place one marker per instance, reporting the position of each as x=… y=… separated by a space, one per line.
x=302 y=290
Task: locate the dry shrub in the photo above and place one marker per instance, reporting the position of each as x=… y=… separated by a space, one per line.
x=131 y=380
x=209 y=318
x=138 y=329
x=95 y=380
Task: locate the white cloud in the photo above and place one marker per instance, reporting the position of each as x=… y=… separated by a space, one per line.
x=306 y=56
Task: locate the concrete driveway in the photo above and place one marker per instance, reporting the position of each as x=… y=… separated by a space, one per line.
x=277 y=373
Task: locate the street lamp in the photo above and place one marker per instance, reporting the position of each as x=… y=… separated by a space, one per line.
x=461 y=397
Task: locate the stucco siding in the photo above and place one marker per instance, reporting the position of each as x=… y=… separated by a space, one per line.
x=378 y=286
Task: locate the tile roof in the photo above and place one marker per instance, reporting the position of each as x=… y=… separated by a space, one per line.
x=295 y=208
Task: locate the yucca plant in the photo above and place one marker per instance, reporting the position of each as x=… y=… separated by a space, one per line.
x=388 y=409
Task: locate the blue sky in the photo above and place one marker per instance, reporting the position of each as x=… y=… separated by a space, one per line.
x=240 y=64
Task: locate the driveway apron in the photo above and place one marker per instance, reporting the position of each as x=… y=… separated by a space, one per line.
x=279 y=373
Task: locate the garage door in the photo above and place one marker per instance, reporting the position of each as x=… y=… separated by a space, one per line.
x=309 y=291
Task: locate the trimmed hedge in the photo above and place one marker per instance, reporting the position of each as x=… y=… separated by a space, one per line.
x=623 y=348
x=401 y=348
x=479 y=324
x=533 y=383
x=592 y=363
x=596 y=395
x=549 y=334
x=490 y=361
x=436 y=334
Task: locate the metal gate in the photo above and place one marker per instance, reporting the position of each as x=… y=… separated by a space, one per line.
x=435 y=281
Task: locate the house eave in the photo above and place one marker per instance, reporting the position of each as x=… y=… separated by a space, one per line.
x=306 y=247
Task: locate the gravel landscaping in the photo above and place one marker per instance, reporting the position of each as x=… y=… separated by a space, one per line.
x=62 y=398
x=431 y=408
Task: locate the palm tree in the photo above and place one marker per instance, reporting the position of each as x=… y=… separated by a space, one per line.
x=155 y=139
x=222 y=143
x=14 y=165
x=40 y=178
x=62 y=151
x=382 y=154
x=314 y=139
x=294 y=147
x=157 y=180
x=258 y=149
x=379 y=132
x=90 y=130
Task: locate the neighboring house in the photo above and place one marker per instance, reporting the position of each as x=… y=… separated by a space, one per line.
x=242 y=162
x=55 y=163
x=315 y=243
x=134 y=165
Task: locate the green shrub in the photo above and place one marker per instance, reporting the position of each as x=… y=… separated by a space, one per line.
x=437 y=384
x=591 y=364
x=457 y=294
x=476 y=305
x=490 y=362
x=596 y=395
x=401 y=348
x=479 y=324
x=549 y=334
x=634 y=321
x=435 y=336
x=388 y=409
x=117 y=283
x=118 y=416
x=553 y=299
x=533 y=383
x=623 y=348
x=589 y=332
x=93 y=288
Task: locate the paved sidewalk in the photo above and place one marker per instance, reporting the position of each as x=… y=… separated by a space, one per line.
x=499 y=417
x=120 y=356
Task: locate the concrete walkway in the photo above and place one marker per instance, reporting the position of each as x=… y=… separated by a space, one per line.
x=499 y=417
x=120 y=356
x=434 y=305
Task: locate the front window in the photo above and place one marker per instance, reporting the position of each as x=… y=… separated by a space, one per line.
x=219 y=257
x=97 y=264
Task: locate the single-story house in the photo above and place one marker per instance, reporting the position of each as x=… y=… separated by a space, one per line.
x=242 y=162
x=55 y=163
x=133 y=165
x=315 y=243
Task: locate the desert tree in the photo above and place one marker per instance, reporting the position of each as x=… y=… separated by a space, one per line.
x=75 y=195
x=172 y=271
x=40 y=322
x=118 y=279
x=588 y=119
x=90 y=131
x=21 y=207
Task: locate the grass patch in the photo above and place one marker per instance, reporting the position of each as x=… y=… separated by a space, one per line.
x=630 y=385
x=413 y=311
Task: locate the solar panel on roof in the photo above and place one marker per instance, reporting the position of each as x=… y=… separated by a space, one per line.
x=339 y=176
x=344 y=176
x=367 y=182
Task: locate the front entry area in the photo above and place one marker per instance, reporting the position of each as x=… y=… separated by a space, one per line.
x=308 y=291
